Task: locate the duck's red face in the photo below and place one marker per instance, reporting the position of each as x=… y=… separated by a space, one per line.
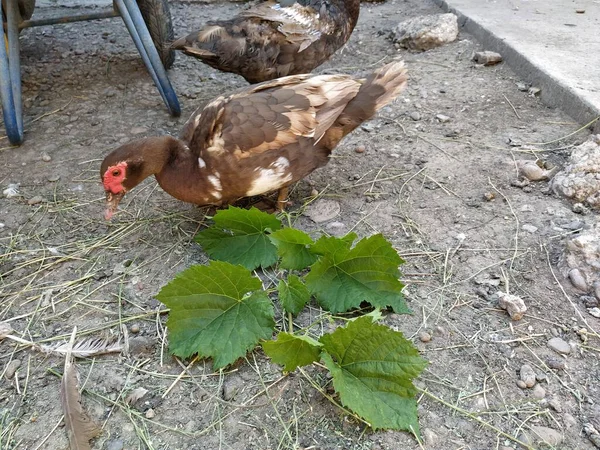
x=113 y=179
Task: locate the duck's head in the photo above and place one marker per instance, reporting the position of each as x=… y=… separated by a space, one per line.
x=122 y=170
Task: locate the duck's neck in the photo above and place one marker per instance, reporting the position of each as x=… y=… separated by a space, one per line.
x=177 y=171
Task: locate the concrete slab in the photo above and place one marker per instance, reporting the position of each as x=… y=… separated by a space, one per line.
x=553 y=44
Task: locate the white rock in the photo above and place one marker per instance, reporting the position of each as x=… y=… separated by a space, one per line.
x=579 y=181
x=426 y=32
x=487 y=58
x=581 y=259
x=559 y=345
x=542 y=435
x=529 y=228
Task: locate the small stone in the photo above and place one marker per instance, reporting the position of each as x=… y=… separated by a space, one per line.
x=538 y=392
x=541 y=435
x=11 y=368
x=569 y=420
x=559 y=345
x=117 y=444
x=532 y=171
x=556 y=363
x=487 y=58
x=597 y=290
x=489 y=196
x=424 y=336
x=53 y=178
x=135 y=328
x=523 y=87
x=521 y=384
x=588 y=301
x=138 y=130
x=533 y=91
x=529 y=228
x=314 y=193
x=415 y=115
x=360 y=149
x=232 y=387
x=429 y=437
x=46 y=157
x=35 y=200
x=527 y=375
x=513 y=304
x=440 y=330
x=577 y=280
x=442 y=118
x=150 y=414
x=555 y=405
x=595 y=312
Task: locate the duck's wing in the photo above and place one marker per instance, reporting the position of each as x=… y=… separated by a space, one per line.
x=299 y=24
x=270 y=115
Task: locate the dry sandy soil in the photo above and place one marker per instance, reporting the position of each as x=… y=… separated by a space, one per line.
x=442 y=192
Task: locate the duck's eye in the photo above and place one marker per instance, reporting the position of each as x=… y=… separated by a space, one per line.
x=116 y=173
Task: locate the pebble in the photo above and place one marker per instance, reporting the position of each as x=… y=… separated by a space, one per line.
x=424 y=336
x=529 y=228
x=597 y=289
x=442 y=118
x=538 y=392
x=135 y=328
x=538 y=435
x=555 y=405
x=138 y=130
x=514 y=305
x=415 y=115
x=150 y=414
x=595 y=312
x=577 y=279
x=46 y=157
x=487 y=58
x=11 y=368
x=559 y=345
x=589 y=301
x=521 y=384
x=556 y=363
x=117 y=444
x=429 y=436
x=323 y=210
x=527 y=375
x=360 y=149
x=53 y=178
x=231 y=387
x=569 y=420
x=35 y=200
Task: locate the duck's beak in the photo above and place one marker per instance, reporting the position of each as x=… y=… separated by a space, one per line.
x=112 y=202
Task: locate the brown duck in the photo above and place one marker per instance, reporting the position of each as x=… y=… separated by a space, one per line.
x=274 y=39
x=258 y=140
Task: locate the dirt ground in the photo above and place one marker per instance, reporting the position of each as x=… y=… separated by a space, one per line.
x=442 y=191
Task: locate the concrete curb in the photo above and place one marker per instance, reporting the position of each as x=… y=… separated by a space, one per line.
x=554 y=93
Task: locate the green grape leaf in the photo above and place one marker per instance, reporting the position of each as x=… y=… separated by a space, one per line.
x=293 y=248
x=292 y=351
x=343 y=277
x=373 y=368
x=293 y=294
x=241 y=236
x=217 y=311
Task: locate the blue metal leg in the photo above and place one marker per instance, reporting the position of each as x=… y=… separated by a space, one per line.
x=141 y=36
x=10 y=76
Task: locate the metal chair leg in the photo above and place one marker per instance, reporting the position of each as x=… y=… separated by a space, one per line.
x=134 y=22
x=10 y=76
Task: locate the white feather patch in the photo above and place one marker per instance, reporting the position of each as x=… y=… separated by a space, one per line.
x=269 y=180
x=201 y=163
x=216 y=182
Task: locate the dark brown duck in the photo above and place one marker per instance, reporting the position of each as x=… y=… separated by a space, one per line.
x=274 y=39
